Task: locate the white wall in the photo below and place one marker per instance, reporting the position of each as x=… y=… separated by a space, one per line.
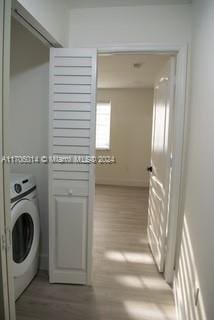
x=199 y=203
x=111 y=26
x=29 y=111
x=131 y=129
x=53 y=15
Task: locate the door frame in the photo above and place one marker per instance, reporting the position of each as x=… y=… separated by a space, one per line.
x=24 y=17
x=4 y=303
x=179 y=137
x=5 y=213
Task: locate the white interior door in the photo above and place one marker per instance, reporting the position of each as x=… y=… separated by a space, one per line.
x=161 y=162
x=71 y=185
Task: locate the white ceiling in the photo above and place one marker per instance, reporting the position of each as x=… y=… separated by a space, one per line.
x=121 y=3
x=117 y=70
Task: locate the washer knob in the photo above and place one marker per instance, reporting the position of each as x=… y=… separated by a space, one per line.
x=17 y=187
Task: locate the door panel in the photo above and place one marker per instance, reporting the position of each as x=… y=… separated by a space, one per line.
x=71 y=185
x=71 y=218
x=160 y=162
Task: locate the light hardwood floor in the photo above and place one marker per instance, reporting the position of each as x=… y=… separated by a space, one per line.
x=126 y=284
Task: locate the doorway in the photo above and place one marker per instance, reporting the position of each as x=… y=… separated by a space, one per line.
x=122 y=258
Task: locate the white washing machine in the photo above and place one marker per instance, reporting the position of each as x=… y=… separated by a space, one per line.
x=25 y=230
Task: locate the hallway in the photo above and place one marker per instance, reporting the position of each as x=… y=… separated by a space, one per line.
x=126 y=284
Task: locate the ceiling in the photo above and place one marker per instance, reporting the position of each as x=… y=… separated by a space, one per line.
x=121 y=3
x=118 y=71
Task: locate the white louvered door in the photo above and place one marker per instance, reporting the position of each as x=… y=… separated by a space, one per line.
x=71 y=185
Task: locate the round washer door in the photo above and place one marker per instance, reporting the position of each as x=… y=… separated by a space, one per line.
x=25 y=235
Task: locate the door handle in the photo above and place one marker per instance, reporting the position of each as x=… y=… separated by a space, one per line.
x=149 y=169
x=70 y=192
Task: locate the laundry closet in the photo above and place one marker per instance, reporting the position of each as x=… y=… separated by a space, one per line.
x=29 y=137
x=60 y=106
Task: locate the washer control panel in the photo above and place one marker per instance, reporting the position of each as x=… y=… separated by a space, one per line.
x=20 y=183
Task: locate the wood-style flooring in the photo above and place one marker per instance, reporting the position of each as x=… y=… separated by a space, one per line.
x=126 y=283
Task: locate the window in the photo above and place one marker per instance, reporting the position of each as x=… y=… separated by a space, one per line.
x=103 y=123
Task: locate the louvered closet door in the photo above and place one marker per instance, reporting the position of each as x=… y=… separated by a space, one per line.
x=71 y=185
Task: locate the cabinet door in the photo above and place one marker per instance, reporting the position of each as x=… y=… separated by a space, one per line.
x=71 y=184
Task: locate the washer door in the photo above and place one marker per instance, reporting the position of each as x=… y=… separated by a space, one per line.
x=25 y=235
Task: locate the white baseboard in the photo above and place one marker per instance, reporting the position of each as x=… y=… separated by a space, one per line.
x=122 y=182
x=44 y=263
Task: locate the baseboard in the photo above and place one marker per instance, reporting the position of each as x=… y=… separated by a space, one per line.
x=44 y=263
x=122 y=182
